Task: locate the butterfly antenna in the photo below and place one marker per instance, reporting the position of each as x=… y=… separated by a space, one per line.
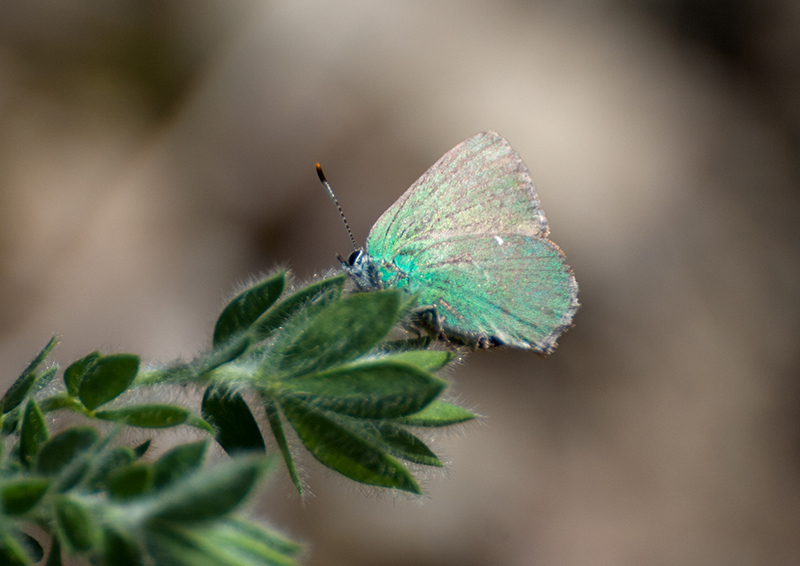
x=327 y=186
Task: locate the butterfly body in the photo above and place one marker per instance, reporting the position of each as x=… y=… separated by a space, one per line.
x=470 y=238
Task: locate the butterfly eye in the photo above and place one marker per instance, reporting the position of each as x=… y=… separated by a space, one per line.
x=353 y=258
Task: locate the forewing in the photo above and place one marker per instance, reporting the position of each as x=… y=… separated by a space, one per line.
x=513 y=289
x=481 y=186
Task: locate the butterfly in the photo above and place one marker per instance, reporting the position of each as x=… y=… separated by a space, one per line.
x=469 y=237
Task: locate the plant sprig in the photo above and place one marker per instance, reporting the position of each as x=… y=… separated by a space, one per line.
x=322 y=362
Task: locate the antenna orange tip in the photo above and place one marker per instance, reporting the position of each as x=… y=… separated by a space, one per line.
x=320 y=174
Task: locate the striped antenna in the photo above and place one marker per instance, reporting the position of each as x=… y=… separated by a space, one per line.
x=327 y=186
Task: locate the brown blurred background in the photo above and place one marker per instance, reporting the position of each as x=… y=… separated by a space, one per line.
x=154 y=155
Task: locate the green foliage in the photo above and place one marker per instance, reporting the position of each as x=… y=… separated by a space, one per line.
x=243 y=311
x=328 y=368
x=22 y=386
x=33 y=432
x=236 y=426
x=19 y=495
x=74 y=374
x=107 y=378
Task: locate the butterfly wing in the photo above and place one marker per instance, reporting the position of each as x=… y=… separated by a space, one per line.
x=481 y=186
x=508 y=289
x=471 y=237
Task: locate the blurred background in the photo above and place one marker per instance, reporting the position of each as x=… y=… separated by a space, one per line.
x=154 y=155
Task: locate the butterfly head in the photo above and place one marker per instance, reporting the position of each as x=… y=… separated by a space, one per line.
x=360 y=267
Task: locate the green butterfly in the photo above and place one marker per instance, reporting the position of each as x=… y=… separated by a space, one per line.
x=470 y=238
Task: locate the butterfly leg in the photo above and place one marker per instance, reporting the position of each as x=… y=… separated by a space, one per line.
x=427 y=318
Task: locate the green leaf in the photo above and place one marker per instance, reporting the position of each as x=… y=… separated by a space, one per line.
x=220 y=545
x=176 y=545
x=429 y=360
x=75 y=523
x=318 y=293
x=142 y=449
x=209 y=493
x=438 y=413
x=54 y=558
x=44 y=378
x=131 y=481
x=344 y=450
x=20 y=388
x=221 y=354
x=121 y=549
x=405 y=445
x=107 y=462
x=74 y=374
x=242 y=311
x=340 y=332
x=236 y=427
x=402 y=345
x=10 y=421
x=199 y=422
x=18 y=548
x=62 y=401
x=249 y=544
x=148 y=415
x=32 y=433
x=179 y=462
x=60 y=450
x=107 y=378
x=20 y=495
x=267 y=536
x=274 y=418
x=375 y=389
x=12 y=552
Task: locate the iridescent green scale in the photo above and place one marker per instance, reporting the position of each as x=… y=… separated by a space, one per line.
x=470 y=237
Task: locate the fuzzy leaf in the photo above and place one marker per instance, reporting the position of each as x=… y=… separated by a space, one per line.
x=242 y=311
x=129 y=482
x=342 y=331
x=224 y=544
x=209 y=493
x=236 y=427
x=221 y=354
x=404 y=344
x=149 y=415
x=108 y=461
x=405 y=445
x=107 y=378
x=44 y=378
x=376 y=389
x=60 y=450
x=76 y=371
x=179 y=462
x=249 y=544
x=142 y=449
x=54 y=558
x=319 y=293
x=121 y=550
x=32 y=433
x=274 y=418
x=429 y=360
x=268 y=537
x=75 y=523
x=12 y=552
x=20 y=495
x=438 y=413
x=20 y=388
x=61 y=401
x=19 y=548
x=344 y=450
x=10 y=421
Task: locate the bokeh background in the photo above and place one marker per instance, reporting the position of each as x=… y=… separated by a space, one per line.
x=155 y=154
